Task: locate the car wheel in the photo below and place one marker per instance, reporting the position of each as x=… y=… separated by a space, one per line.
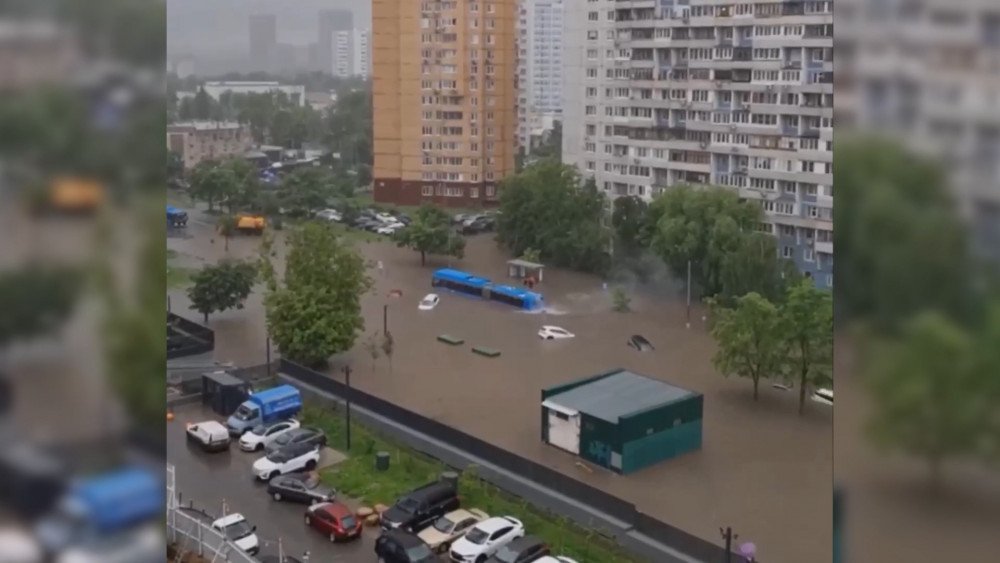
x=308 y=520
x=310 y=465
x=277 y=495
x=273 y=475
x=548 y=338
x=480 y=559
x=443 y=548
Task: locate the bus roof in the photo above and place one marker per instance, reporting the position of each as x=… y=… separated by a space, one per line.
x=458 y=275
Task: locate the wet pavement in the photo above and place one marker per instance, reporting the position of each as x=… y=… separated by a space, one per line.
x=762 y=469
x=209 y=479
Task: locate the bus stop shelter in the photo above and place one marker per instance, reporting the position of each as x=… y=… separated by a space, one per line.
x=522 y=269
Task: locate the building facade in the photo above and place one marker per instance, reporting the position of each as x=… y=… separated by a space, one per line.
x=197 y=141
x=444 y=100
x=352 y=53
x=738 y=94
x=295 y=93
x=539 y=74
x=263 y=41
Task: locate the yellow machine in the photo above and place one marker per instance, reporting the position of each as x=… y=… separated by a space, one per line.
x=74 y=195
x=250 y=224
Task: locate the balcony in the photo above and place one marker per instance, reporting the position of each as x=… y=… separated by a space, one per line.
x=824 y=247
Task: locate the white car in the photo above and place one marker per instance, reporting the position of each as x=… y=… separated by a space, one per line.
x=450 y=527
x=824 y=396
x=555 y=559
x=554 y=333
x=211 y=435
x=429 y=301
x=385 y=218
x=296 y=457
x=485 y=538
x=330 y=215
x=261 y=436
x=389 y=229
x=236 y=528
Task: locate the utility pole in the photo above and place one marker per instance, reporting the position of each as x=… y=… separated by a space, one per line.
x=728 y=536
x=689 y=296
x=347 y=378
x=385 y=319
x=268 y=344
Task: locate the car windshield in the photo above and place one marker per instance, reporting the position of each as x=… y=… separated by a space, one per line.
x=419 y=553
x=428 y=300
x=279 y=456
x=506 y=555
x=259 y=430
x=284 y=438
x=238 y=530
x=444 y=525
x=246 y=413
x=477 y=536
x=408 y=505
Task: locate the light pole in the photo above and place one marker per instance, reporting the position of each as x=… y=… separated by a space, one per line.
x=268 y=345
x=689 y=296
x=729 y=536
x=347 y=379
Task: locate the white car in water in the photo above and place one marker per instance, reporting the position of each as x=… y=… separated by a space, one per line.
x=429 y=301
x=330 y=215
x=824 y=396
x=554 y=333
x=261 y=436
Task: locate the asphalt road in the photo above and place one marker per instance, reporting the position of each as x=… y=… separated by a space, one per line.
x=209 y=479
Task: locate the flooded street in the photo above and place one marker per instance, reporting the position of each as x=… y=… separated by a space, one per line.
x=762 y=469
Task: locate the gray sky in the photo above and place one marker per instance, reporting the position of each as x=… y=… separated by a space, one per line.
x=215 y=31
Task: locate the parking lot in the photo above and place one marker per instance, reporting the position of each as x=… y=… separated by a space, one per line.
x=211 y=479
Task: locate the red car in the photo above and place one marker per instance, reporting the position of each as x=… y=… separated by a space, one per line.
x=333 y=519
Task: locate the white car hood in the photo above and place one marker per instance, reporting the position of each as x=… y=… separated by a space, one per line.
x=246 y=543
x=466 y=548
x=251 y=439
x=264 y=464
x=432 y=536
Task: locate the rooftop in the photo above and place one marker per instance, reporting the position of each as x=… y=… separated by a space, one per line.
x=619 y=394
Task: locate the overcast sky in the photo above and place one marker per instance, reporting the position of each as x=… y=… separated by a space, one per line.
x=216 y=30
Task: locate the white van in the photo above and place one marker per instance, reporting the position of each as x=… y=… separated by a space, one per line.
x=212 y=436
x=237 y=530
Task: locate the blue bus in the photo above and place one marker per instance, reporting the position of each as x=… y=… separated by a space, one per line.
x=469 y=284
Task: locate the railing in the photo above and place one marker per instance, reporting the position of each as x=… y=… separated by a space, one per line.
x=190 y=534
x=664 y=533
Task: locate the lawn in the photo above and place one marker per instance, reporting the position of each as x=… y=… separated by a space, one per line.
x=178 y=277
x=356 y=477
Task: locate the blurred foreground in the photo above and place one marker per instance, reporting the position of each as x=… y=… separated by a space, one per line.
x=917 y=427
x=82 y=336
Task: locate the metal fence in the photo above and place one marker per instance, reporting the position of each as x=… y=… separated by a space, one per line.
x=187 y=338
x=189 y=532
x=692 y=546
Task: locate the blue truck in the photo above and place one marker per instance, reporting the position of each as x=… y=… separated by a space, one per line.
x=176 y=217
x=265 y=407
x=102 y=506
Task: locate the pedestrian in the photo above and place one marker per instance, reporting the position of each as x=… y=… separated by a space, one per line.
x=381 y=268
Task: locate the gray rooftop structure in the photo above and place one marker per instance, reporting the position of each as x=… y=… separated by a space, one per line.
x=618 y=394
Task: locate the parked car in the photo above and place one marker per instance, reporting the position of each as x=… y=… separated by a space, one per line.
x=390 y=229
x=556 y=559
x=485 y=538
x=429 y=301
x=385 y=218
x=236 y=528
x=549 y=332
x=212 y=436
x=303 y=435
x=334 y=519
x=367 y=224
x=522 y=550
x=294 y=457
x=404 y=219
x=639 y=342
x=450 y=527
x=459 y=218
x=824 y=396
x=397 y=546
x=330 y=215
x=300 y=487
x=421 y=507
x=260 y=436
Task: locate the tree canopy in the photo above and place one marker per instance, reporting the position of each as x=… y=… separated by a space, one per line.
x=307 y=189
x=314 y=309
x=431 y=233
x=545 y=207
x=628 y=216
x=221 y=286
x=749 y=339
x=807 y=330
x=36 y=300
x=213 y=183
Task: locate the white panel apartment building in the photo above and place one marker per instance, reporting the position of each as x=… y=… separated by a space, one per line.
x=352 y=53
x=540 y=59
x=664 y=92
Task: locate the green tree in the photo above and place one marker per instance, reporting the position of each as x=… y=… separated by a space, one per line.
x=247 y=194
x=307 y=189
x=753 y=265
x=431 y=233
x=203 y=105
x=621 y=300
x=222 y=286
x=36 y=300
x=388 y=347
x=213 y=183
x=807 y=329
x=545 y=207
x=531 y=255
x=901 y=246
x=226 y=227
x=702 y=226
x=175 y=166
x=749 y=339
x=628 y=217
x=928 y=393
x=371 y=345
x=314 y=310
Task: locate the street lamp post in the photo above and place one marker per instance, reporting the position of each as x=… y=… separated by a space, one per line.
x=347 y=379
x=268 y=344
x=728 y=536
x=385 y=319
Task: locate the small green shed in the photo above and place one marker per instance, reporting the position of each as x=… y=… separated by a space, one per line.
x=622 y=420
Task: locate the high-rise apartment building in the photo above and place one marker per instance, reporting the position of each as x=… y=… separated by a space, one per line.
x=263 y=41
x=330 y=23
x=737 y=94
x=352 y=53
x=444 y=97
x=539 y=38
x=935 y=90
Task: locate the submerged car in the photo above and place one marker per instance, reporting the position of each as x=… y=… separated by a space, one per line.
x=429 y=301
x=554 y=332
x=640 y=343
x=824 y=396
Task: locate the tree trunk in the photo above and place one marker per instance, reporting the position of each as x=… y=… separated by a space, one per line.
x=756 y=383
x=206 y=317
x=802 y=392
x=227 y=243
x=423 y=258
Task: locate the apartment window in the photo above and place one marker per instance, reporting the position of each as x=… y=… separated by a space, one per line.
x=427 y=130
x=593 y=16
x=591 y=54
x=591 y=92
x=426 y=190
x=474 y=193
x=591 y=110
x=786 y=251
x=807 y=255
x=591 y=73
x=592 y=35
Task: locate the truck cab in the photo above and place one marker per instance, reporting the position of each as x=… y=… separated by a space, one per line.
x=265 y=407
x=176 y=217
x=99 y=507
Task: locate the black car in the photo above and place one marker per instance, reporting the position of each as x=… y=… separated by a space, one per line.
x=522 y=550
x=304 y=435
x=397 y=546
x=421 y=507
x=404 y=218
x=638 y=342
x=299 y=487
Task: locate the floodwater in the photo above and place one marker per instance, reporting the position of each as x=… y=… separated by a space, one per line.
x=762 y=469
